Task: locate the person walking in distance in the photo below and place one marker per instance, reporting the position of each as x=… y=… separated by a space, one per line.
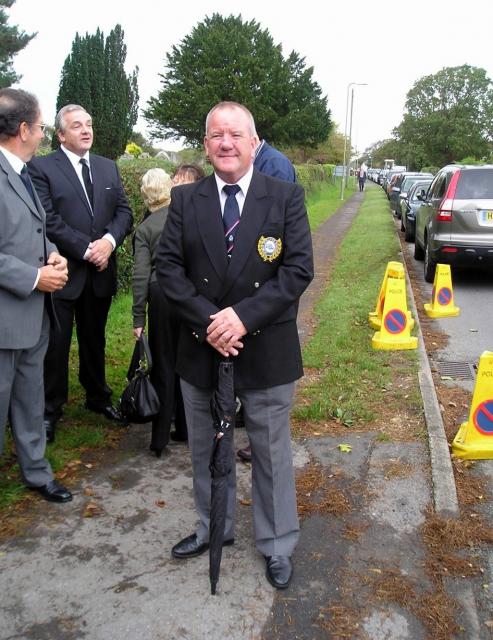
x=235 y=257
x=87 y=217
x=30 y=270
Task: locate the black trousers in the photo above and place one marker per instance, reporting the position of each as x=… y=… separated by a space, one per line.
x=163 y=338
x=90 y=314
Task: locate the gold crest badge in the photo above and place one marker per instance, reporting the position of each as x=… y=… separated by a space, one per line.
x=269 y=248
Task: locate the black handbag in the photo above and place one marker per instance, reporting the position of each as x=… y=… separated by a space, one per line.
x=139 y=401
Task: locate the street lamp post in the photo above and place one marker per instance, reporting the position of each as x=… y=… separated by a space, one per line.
x=346 y=167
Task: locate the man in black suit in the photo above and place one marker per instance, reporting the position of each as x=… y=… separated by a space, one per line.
x=87 y=217
x=235 y=257
x=30 y=269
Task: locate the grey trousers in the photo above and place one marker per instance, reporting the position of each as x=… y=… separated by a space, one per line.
x=266 y=414
x=22 y=403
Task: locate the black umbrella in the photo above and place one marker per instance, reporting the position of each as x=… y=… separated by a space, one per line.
x=223 y=408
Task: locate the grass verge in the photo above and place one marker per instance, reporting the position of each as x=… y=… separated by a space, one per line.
x=347 y=381
x=324 y=201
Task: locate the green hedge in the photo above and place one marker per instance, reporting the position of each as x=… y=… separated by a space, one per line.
x=310 y=176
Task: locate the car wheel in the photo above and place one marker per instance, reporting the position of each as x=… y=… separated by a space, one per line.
x=429 y=265
x=408 y=234
x=419 y=254
x=403 y=228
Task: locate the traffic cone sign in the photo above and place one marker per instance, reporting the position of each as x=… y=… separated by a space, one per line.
x=474 y=440
x=442 y=297
x=393 y=270
x=395 y=329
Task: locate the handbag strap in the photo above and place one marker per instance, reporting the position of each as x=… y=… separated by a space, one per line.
x=145 y=351
x=141 y=357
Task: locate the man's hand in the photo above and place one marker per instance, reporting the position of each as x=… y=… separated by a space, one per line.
x=52 y=279
x=58 y=261
x=137 y=331
x=225 y=332
x=100 y=252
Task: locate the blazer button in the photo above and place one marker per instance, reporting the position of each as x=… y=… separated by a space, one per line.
x=39 y=230
x=41 y=259
x=206 y=280
x=256 y=285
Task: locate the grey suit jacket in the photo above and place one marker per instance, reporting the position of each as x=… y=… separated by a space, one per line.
x=23 y=249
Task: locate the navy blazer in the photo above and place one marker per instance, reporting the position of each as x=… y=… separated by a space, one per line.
x=70 y=223
x=271 y=266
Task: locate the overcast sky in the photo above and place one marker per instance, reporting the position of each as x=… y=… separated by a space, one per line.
x=388 y=45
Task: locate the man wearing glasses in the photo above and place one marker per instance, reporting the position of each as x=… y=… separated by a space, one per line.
x=30 y=270
x=87 y=217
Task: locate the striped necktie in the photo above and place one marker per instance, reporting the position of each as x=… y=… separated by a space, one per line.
x=231 y=215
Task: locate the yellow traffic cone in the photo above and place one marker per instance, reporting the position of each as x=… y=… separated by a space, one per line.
x=395 y=330
x=393 y=270
x=442 y=297
x=474 y=440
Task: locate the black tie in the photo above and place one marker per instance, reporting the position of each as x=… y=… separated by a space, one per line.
x=27 y=183
x=86 y=176
x=231 y=215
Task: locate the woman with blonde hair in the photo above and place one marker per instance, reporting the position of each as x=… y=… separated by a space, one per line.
x=148 y=296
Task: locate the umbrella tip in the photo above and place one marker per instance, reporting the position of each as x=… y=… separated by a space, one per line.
x=213 y=588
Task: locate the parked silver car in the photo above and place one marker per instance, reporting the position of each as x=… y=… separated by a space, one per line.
x=454 y=223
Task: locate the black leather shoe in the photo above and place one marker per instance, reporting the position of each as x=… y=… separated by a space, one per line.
x=279 y=571
x=245 y=454
x=54 y=492
x=49 y=425
x=190 y=548
x=109 y=411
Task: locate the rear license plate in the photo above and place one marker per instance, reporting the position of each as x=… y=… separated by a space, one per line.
x=485 y=218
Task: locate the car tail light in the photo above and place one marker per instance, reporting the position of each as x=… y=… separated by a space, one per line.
x=449 y=249
x=444 y=213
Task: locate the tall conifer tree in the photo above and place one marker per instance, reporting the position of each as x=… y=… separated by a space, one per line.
x=11 y=42
x=93 y=76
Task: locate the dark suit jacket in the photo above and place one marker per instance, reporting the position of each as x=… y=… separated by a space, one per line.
x=193 y=269
x=23 y=249
x=70 y=223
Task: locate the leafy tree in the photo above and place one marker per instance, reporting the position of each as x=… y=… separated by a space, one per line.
x=448 y=115
x=11 y=42
x=228 y=59
x=93 y=76
x=141 y=141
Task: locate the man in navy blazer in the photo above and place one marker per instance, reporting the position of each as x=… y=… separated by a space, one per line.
x=87 y=217
x=235 y=257
x=30 y=269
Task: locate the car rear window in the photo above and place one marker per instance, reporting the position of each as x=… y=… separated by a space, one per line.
x=475 y=184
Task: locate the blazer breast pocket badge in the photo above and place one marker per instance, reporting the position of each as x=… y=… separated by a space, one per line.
x=269 y=248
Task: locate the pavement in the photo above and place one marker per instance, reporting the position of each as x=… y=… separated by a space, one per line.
x=111 y=575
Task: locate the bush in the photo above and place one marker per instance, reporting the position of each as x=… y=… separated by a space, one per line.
x=310 y=176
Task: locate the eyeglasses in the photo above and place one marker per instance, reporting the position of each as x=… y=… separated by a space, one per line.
x=41 y=125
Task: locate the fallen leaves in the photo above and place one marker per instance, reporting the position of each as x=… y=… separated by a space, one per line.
x=345 y=448
x=91 y=510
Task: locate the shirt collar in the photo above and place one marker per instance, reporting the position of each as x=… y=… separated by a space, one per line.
x=15 y=162
x=259 y=148
x=243 y=183
x=73 y=157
